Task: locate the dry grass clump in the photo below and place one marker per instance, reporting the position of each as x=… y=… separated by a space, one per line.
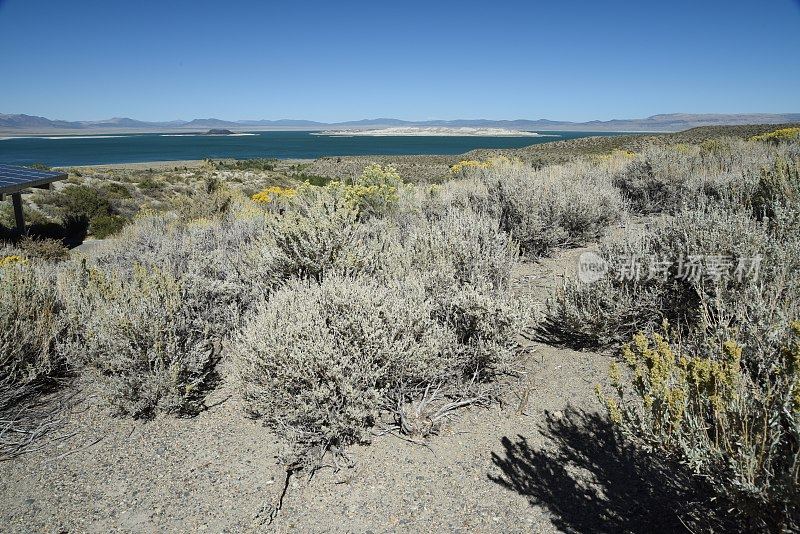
x=557 y=206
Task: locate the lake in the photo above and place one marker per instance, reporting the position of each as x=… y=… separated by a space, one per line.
x=134 y=148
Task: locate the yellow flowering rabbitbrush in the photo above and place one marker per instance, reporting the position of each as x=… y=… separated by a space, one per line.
x=273 y=193
x=733 y=424
x=8 y=261
x=777 y=136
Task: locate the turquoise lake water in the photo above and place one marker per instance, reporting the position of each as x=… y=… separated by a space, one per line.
x=107 y=149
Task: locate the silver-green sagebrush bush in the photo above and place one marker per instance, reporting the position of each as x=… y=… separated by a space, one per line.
x=30 y=324
x=320 y=360
x=557 y=206
x=312 y=235
x=229 y=255
x=384 y=309
x=468 y=244
x=150 y=311
x=672 y=178
x=778 y=188
x=151 y=342
x=620 y=304
x=406 y=303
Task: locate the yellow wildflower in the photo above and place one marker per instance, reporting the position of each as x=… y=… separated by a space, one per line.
x=274 y=192
x=783 y=134
x=8 y=261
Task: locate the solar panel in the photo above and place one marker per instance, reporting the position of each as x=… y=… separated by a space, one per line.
x=14 y=178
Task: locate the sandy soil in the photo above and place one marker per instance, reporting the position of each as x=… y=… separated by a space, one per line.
x=542 y=465
x=158 y=165
x=167 y=165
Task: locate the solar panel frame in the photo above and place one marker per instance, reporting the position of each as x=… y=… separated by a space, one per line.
x=14 y=178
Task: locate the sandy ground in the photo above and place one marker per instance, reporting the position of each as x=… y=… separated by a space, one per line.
x=157 y=165
x=549 y=464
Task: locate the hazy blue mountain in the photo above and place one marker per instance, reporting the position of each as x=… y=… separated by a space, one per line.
x=281 y=122
x=378 y=122
x=657 y=123
x=210 y=123
x=31 y=121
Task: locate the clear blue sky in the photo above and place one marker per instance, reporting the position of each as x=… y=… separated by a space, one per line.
x=339 y=60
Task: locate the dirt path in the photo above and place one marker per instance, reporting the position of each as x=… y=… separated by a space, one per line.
x=553 y=467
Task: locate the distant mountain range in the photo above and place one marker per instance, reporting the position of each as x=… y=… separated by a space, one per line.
x=28 y=124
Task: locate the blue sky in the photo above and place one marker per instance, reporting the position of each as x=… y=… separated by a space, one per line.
x=329 y=61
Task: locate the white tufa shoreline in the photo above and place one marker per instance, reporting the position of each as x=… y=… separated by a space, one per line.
x=429 y=131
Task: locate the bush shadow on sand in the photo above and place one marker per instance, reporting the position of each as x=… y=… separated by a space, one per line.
x=589 y=481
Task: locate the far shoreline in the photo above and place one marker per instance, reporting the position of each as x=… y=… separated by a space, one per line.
x=168 y=164
x=22 y=134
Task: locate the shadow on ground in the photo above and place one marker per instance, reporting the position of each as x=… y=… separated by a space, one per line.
x=590 y=482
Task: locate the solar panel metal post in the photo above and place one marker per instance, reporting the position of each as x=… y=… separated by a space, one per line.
x=16 y=199
x=15 y=179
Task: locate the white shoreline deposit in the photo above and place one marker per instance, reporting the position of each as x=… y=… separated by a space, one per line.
x=425 y=131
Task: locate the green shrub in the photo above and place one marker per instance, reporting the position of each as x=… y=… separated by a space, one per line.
x=44 y=249
x=256 y=164
x=39 y=166
x=83 y=201
x=115 y=191
x=374 y=193
x=103 y=226
x=732 y=415
x=148 y=184
x=33 y=217
x=312 y=179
